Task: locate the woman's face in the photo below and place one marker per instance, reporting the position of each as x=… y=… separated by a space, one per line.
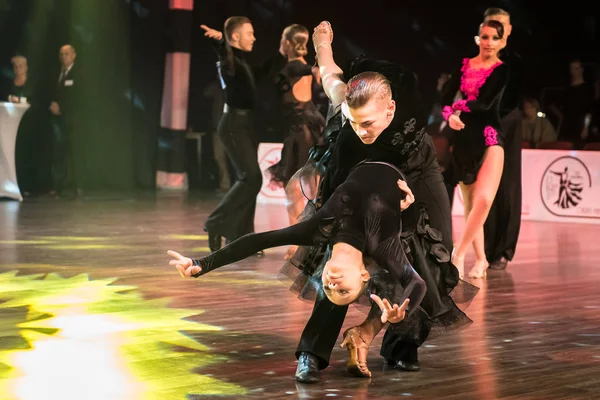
x=489 y=42
x=344 y=280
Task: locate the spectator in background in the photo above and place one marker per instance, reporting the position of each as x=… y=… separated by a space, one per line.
x=595 y=124
x=66 y=126
x=575 y=110
x=535 y=127
x=19 y=89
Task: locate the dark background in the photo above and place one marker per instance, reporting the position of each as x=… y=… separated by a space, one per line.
x=121 y=45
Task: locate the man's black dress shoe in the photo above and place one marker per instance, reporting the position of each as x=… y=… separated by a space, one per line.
x=409 y=366
x=499 y=265
x=308 y=369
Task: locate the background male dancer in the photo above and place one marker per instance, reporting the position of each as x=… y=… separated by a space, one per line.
x=234 y=216
x=501 y=229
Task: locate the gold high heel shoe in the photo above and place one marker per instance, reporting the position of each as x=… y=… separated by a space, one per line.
x=357 y=353
x=479 y=273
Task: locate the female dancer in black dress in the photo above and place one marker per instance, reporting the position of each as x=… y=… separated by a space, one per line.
x=361 y=218
x=478 y=154
x=303 y=123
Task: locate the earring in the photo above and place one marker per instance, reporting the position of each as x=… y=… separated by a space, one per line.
x=477 y=40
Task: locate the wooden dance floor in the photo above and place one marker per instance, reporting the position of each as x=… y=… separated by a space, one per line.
x=90 y=309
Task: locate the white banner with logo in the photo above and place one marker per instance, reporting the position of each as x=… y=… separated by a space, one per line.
x=269 y=154
x=558 y=185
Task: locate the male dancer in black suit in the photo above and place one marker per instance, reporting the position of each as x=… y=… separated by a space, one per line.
x=385 y=122
x=234 y=216
x=501 y=229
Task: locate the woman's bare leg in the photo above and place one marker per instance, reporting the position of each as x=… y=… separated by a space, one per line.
x=481 y=197
x=467 y=194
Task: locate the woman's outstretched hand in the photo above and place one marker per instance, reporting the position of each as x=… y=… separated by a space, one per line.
x=409 y=198
x=184 y=265
x=322 y=34
x=390 y=313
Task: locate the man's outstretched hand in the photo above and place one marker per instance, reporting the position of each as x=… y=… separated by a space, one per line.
x=212 y=33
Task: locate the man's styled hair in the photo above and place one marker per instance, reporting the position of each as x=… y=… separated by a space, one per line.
x=366 y=86
x=233 y=23
x=493 y=11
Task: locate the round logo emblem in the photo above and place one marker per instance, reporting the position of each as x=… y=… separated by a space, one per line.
x=564 y=185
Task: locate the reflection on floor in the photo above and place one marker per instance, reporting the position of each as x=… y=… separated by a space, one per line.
x=89 y=309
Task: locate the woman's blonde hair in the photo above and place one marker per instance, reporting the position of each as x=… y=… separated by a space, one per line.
x=297 y=35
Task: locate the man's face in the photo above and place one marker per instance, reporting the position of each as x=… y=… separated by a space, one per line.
x=66 y=56
x=576 y=69
x=243 y=37
x=370 y=120
x=20 y=68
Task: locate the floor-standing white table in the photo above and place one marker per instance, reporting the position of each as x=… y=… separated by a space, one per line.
x=10 y=117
